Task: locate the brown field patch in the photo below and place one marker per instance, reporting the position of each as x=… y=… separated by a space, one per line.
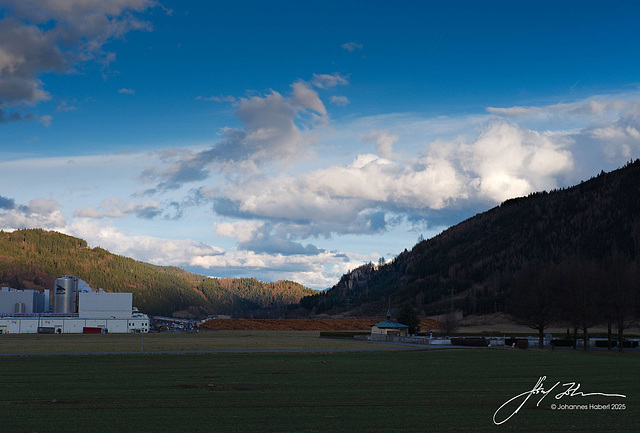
x=362 y=324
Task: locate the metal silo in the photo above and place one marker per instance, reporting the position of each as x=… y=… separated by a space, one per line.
x=64 y=295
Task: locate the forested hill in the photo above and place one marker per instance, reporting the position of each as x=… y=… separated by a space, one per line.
x=34 y=258
x=480 y=265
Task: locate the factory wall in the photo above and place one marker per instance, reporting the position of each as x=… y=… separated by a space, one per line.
x=29 y=301
x=70 y=325
x=105 y=305
x=74 y=309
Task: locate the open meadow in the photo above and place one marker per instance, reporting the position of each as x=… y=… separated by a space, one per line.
x=173 y=341
x=328 y=391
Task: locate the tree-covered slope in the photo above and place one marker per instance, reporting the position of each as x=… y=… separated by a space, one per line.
x=33 y=258
x=477 y=263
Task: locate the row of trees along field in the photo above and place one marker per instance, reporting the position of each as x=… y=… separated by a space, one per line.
x=580 y=293
x=34 y=258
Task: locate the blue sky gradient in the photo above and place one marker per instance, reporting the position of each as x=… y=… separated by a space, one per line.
x=298 y=140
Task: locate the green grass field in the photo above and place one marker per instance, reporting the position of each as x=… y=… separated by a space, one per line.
x=202 y=341
x=387 y=391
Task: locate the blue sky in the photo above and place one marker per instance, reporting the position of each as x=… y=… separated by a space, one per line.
x=299 y=140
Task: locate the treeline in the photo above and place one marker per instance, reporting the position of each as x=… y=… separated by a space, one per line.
x=580 y=293
x=478 y=265
x=34 y=258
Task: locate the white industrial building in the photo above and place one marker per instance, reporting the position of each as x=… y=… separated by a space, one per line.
x=22 y=301
x=75 y=308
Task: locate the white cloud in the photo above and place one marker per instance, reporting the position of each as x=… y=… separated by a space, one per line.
x=221 y=98
x=127 y=91
x=91 y=22
x=271 y=132
x=325 y=81
x=25 y=52
x=501 y=161
x=241 y=230
x=146 y=248
x=515 y=111
x=37 y=213
x=276 y=130
x=117 y=208
x=319 y=271
x=422 y=169
x=38 y=36
x=509 y=161
x=345 y=199
x=307 y=98
x=340 y=101
x=384 y=142
x=603 y=129
x=602 y=107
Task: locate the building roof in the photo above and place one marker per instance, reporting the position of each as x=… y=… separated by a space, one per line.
x=390 y=324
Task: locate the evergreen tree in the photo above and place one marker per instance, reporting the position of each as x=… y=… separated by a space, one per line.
x=409 y=316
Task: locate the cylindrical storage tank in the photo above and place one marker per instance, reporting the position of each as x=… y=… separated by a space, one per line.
x=64 y=295
x=21 y=307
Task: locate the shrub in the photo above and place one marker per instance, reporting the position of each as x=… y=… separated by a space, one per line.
x=341 y=334
x=605 y=343
x=474 y=342
x=562 y=343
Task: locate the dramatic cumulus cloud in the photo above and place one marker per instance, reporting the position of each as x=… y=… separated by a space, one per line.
x=341 y=199
x=604 y=130
x=37 y=213
x=619 y=138
x=508 y=161
x=392 y=173
x=39 y=36
x=374 y=192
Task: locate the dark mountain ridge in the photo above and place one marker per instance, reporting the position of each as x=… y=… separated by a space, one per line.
x=478 y=266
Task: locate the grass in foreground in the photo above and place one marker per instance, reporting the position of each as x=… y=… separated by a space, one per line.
x=173 y=341
x=408 y=391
